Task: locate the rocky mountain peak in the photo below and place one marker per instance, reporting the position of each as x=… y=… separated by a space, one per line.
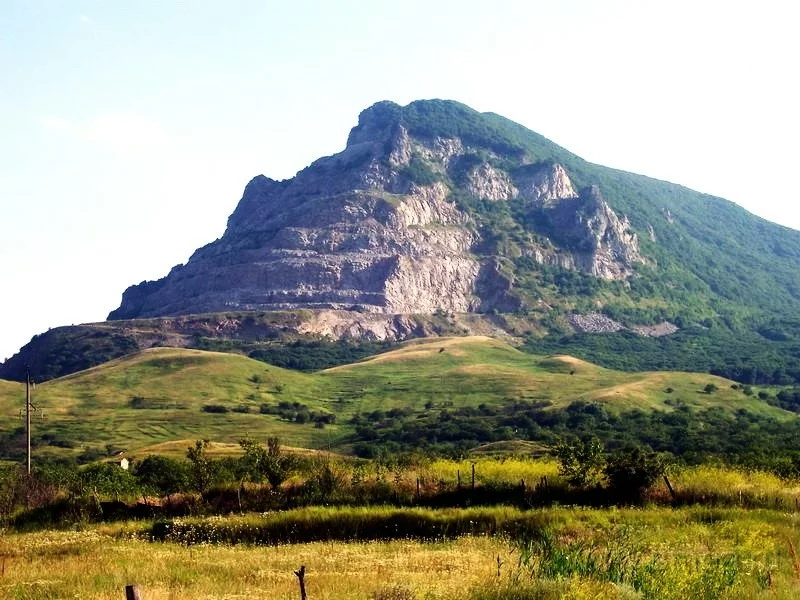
x=380 y=226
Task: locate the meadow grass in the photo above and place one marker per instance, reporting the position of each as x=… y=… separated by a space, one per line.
x=493 y=470
x=646 y=553
x=94 y=566
x=709 y=484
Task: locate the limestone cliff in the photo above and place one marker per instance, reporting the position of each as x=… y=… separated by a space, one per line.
x=387 y=226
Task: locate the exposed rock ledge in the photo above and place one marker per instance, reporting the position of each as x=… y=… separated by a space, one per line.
x=600 y=323
x=657 y=330
x=594 y=323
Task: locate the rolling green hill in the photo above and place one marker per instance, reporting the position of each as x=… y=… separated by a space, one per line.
x=166 y=394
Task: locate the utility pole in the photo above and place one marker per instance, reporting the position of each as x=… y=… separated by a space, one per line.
x=28 y=414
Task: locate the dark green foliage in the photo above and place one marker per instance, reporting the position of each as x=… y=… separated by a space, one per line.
x=632 y=470
x=302 y=355
x=298 y=412
x=154 y=404
x=346 y=525
x=420 y=172
x=788 y=400
x=215 y=408
x=742 y=356
x=66 y=350
x=692 y=435
x=162 y=475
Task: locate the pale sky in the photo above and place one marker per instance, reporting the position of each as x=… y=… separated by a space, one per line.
x=128 y=130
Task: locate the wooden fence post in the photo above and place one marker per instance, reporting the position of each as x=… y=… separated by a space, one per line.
x=132 y=593
x=473 y=476
x=669 y=487
x=301 y=577
x=458 y=474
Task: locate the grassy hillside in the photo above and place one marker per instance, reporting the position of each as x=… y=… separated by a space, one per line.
x=167 y=394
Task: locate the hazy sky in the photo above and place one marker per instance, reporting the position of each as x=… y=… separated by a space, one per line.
x=128 y=129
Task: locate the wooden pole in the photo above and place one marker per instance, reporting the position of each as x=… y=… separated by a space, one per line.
x=458 y=475
x=301 y=577
x=132 y=593
x=669 y=487
x=473 y=476
x=28 y=414
x=418 y=496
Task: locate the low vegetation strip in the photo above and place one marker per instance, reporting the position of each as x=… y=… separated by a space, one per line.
x=350 y=525
x=651 y=553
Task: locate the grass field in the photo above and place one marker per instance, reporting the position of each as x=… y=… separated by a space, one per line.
x=650 y=554
x=158 y=395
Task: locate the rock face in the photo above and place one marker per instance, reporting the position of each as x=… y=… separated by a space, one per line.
x=386 y=226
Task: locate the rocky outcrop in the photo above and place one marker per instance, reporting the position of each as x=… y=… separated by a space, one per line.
x=601 y=242
x=544 y=185
x=657 y=330
x=379 y=227
x=487 y=183
x=594 y=323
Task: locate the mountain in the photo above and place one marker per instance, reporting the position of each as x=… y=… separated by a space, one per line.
x=437 y=220
x=388 y=225
x=434 y=206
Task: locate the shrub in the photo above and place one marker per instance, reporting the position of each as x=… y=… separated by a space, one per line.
x=270 y=463
x=162 y=475
x=631 y=471
x=581 y=462
x=106 y=479
x=201 y=470
x=215 y=408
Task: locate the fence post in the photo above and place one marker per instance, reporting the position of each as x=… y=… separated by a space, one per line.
x=132 y=593
x=458 y=474
x=473 y=476
x=301 y=577
x=669 y=487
